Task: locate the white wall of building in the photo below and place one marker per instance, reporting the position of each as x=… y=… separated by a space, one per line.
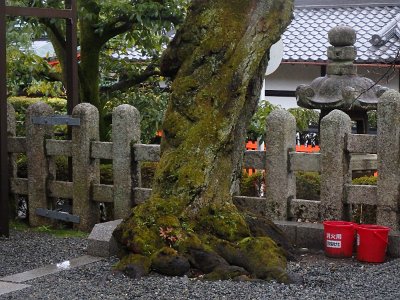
x=390 y=78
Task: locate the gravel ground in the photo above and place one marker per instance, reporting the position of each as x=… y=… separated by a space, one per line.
x=322 y=278
x=27 y=250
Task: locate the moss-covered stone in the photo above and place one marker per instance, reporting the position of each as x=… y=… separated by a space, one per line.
x=189 y=241
x=261 y=226
x=141 y=240
x=206 y=260
x=168 y=261
x=264 y=259
x=260 y=256
x=134 y=265
x=226 y=272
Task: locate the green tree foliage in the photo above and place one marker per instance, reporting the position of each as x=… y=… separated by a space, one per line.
x=150 y=100
x=28 y=73
x=372 y=119
x=107 y=30
x=257 y=125
x=304 y=117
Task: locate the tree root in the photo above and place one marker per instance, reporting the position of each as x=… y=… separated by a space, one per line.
x=216 y=253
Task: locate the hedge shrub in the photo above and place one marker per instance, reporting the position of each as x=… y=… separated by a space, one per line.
x=21 y=104
x=308 y=185
x=366 y=180
x=363 y=213
x=251 y=185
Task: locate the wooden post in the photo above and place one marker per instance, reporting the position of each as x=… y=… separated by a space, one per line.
x=4 y=182
x=12 y=158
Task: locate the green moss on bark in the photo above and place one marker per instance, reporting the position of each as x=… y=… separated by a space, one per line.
x=224 y=222
x=217 y=60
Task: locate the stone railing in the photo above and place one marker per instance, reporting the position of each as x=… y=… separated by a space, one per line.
x=85 y=151
x=341 y=152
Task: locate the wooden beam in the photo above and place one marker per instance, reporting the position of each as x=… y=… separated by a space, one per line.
x=38 y=12
x=4 y=177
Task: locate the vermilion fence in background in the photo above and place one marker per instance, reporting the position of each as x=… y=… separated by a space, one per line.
x=308 y=149
x=252 y=145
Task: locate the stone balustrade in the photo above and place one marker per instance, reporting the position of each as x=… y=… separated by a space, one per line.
x=341 y=153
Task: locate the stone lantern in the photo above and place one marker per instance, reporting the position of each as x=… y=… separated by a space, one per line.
x=341 y=88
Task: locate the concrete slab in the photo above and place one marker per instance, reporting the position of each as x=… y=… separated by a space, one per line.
x=101 y=243
x=51 y=269
x=303 y=235
x=393 y=249
x=8 y=287
x=289 y=228
x=310 y=235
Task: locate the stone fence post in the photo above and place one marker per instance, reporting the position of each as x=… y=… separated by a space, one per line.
x=38 y=164
x=85 y=170
x=126 y=172
x=388 y=151
x=335 y=164
x=280 y=182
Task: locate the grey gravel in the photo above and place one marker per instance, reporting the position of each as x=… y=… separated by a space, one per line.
x=27 y=250
x=317 y=276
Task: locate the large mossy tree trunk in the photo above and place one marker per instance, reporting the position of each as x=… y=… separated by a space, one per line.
x=217 y=61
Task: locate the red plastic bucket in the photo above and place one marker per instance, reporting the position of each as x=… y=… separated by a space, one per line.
x=338 y=238
x=372 y=241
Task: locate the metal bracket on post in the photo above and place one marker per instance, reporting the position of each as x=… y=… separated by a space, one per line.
x=58 y=215
x=56 y=120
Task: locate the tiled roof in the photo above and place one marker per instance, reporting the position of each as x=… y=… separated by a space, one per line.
x=306 y=38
